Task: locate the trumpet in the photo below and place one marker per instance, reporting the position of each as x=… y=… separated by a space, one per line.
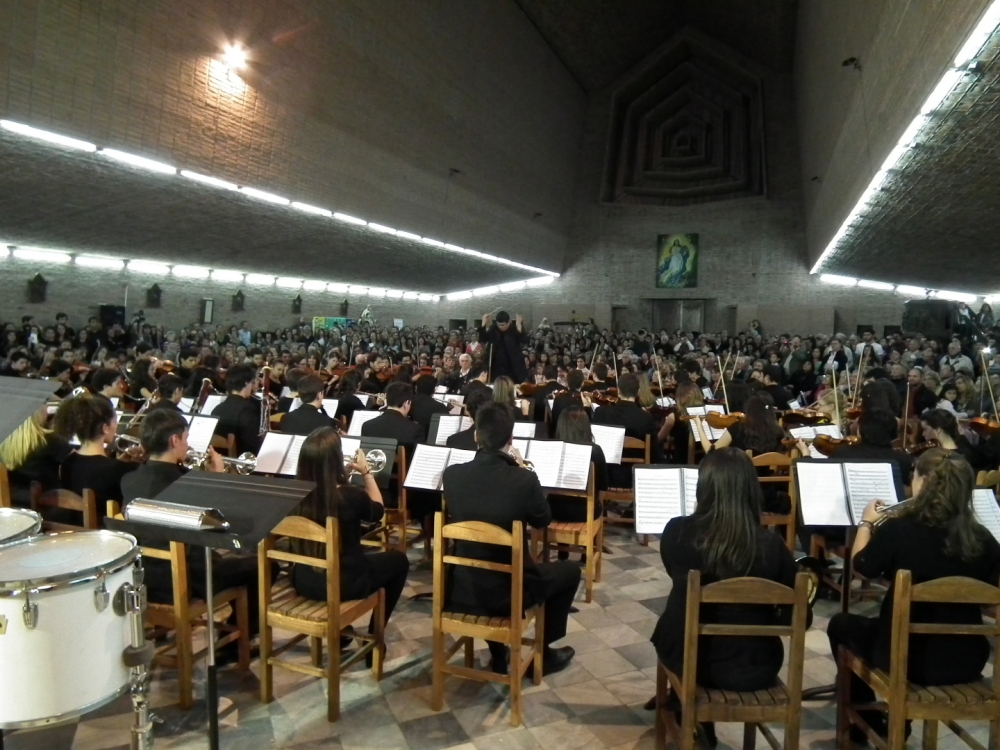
x=522 y=462
x=123 y=443
x=375 y=460
x=244 y=464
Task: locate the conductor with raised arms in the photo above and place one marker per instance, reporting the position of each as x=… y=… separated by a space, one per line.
x=504 y=343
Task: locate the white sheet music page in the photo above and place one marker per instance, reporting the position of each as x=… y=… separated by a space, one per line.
x=272 y=452
x=349 y=446
x=665 y=401
x=330 y=407
x=611 y=439
x=447 y=427
x=707 y=393
x=802 y=433
x=575 y=469
x=524 y=430
x=690 y=484
x=290 y=466
x=867 y=482
x=364 y=398
x=200 y=431
x=521 y=446
x=828 y=429
x=822 y=495
x=114 y=402
x=657 y=498
x=359 y=418
x=213 y=400
x=426 y=467
x=984 y=503
x=546 y=455
x=186 y=405
x=296 y=403
x=458 y=456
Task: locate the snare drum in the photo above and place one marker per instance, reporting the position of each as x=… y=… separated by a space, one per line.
x=17 y=524
x=61 y=634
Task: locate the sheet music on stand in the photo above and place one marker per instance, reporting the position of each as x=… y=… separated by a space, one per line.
x=665 y=401
x=186 y=405
x=211 y=401
x=200 y=431
x=611 y=439
x=832 y=493
x=426 y=469
x=359 y=418
x=527 y=430
x=707 y=393
x=987 y=511
x=443 y=426
x=662 y=493
x=364 y=398
x=279 y=454
x=558 y=465
x=810 y=433
x=329 y=406
x=713 y=433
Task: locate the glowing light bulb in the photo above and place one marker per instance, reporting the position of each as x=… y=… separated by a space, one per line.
x=235 y=57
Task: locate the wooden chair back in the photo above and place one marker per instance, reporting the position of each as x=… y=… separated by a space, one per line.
x=5 y=496
x=779 y=466
x=626 y=495
x=466 y=628
x=635 y=444
x=225 y=445
x=989 y=479
x=85 y=504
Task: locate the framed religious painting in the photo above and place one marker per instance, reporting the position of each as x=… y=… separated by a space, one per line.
x=676 y=261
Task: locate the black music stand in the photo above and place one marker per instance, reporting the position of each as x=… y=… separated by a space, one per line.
x=252 y=505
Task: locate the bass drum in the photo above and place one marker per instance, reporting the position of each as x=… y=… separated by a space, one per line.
x=17 y=524
x=61 y=634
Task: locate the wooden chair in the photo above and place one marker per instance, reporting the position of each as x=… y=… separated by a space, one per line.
x=467 y=628
x=282 y=608
x=588 y=535
x=85 y=504
x=225 y=445
x=779 y=704
x=184 y=614
x=5 y=496
x=394 y=520
x=973 y=701
x=989 y=479
x=626 y=496
x=780 y=468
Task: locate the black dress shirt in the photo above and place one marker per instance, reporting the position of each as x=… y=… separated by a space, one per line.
x=305 y=420
x=423 y=408
x=240 y=417
x=392 y=424
x=464 y=439
x=638 y=423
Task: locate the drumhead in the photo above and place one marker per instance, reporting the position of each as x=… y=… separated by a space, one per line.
x=45 y=562
x=18 y=523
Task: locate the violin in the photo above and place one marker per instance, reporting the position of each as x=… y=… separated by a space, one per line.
x=984 y=426
x=804 y=417
x=527 y=389
x=723 y=421
x=916 y=450
x=829 y=445
x=853 y=412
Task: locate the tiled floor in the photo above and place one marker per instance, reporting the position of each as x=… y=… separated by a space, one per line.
x=595 y=703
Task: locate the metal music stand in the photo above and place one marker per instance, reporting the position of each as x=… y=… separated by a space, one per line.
x=252 y=505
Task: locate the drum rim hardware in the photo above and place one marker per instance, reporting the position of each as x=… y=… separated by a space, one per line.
x=73 y=578
x=27 y=533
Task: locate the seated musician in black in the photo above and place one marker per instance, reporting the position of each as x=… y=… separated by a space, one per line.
x=598 y=376
x=935 y=537
x=546 y=391
x=477 y=377
x=466 y=439
x=310 y=415
x=164 y=438
x=638 y=422
x=941 y=426
x=492 y=488
x=574 y=427
x=723 y=539
x=361 y=574
x=93 y=421
x=570 y=397
x=239 y=413
x=292 y=378
x=424 y=406
x=169 y=391
x=347 y=399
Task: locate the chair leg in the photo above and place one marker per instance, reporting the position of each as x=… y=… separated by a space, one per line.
x=688 y=727
x=243 y=623
x=470 y=652
x=437 y=672
x=185 y=664
x=994 y=733
x=793 y=726
x=333 y=680
x=930 y=735
x=896 y=721
x=316 y=651
x=266 y=670
x=378 y=653
x=515 y=683
x=843 y=702
x=599 y=552
x=750 y=736
x=538 y=647
x=661 y=702
x=589 y=571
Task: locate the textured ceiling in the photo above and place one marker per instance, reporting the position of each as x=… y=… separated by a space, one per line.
x=936 y=221
x=82 y=202
x=599 y=40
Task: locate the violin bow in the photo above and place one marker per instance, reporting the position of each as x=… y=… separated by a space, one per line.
x=592 y=360
x=659 y=378
x=992 y=397
x=906 y=415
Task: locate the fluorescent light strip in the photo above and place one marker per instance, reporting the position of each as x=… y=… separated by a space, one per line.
x=44 y=135
x=338 y=288
x=4 y=251
x=286 y=283
x=148 y=266
x=45 y=256
x=206 y=180
x=265 y=196
x=347 y=219
x=916 y=291
x=138 y=161
x=955 y=296
x=260 y=279
x=190 y=272
x=99 y=261
x=379 y=228
x=312 y=209
x=951 y=78
x=314 y=286
x=221 y=275
x=876 y=285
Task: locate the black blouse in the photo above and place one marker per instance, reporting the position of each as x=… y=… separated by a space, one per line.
x=355 y=509
x=101 y=474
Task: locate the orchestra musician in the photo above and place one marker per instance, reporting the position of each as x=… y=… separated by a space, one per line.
x=109 y=383
x=758 y=432
x=239 y=413
x=424 y=406
x=574 y=427
x=164 y=438
x=186 y=363
x=723 y=539
x=546 y=390
x=206 y=367
x=941 y=426
x=492 y=488
x=292 y=378
x=466 y=439
x=361 y=574
x=93 y=421
x=935 y=537
x=347 y=389
x=572 y=396
x=169 y=391
x=310 y=415
x=638 y=422
x=504 y=343
x=599 y=378
x=505 y=394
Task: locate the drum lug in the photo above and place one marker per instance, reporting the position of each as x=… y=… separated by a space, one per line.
x=30 y=614
x=102 y=597
x=3 y=625
x=129 y=599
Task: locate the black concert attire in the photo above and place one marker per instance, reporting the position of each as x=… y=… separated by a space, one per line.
x=574 y=509
x=458 y=380
x=542 y=395
x=164 y=403
x=505 y=351
x=492 y=488
x=560 y=402
x=361 y=574
x=464 y=439
x=780 y=395
x=101 y=474
x=229 y=570
x=638 y=423
x=406 y=433
x=42 y=466
x=347 y=405
x=598 y=385
x=422 y=408
x=240 y=417
x=904 y=543
x=284 y=404
x=305 y=420
x=724 y=662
